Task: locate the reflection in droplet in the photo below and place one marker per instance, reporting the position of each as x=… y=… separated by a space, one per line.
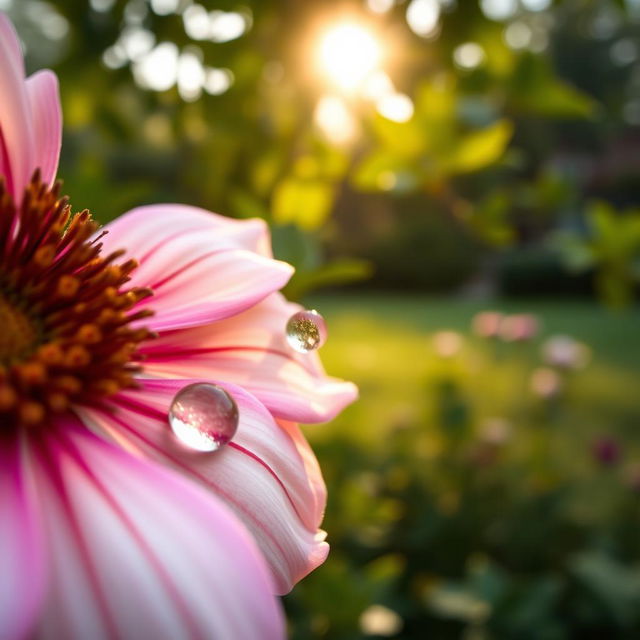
x=306 y=331
x=203 y=416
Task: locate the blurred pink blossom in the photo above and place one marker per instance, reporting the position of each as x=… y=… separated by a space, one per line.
x=519 y=327
x=447 y=344
x=564 y=352
x=546 y=383
x=606 y=450
x=632 y=477
x=486 y=324
x=496 y=431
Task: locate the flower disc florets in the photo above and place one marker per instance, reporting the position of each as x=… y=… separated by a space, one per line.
x=65 y=327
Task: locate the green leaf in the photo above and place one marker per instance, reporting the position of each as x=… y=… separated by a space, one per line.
x=306 y=203
x=536 y=89
x=335 y=273
x=265 y=171
x=616 y=586
x=491 y=222
x=247 y=205
x=481 y=148
x=407 y=140
x=380 y=171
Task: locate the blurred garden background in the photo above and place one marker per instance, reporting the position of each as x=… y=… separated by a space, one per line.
x=457 y=184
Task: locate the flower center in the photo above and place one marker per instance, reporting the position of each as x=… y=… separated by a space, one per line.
x=65 y=317
x=18 y=332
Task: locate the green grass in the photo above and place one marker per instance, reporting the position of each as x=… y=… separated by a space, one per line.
x=384 y=344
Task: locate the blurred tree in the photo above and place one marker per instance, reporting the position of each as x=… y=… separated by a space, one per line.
x=283 y=109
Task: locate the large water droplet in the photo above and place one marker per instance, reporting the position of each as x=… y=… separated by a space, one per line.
x=203 y=416
x=306 y=331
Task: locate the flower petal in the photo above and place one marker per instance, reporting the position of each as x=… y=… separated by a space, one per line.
x=251 y=350
x=139 y=552
x=202 y=267
x=46 y=116
x=22 y=579
x=266 y=473
x=16 y=136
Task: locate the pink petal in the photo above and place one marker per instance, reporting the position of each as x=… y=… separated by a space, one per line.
x=202 y=267
x=138 y=229
x=251 y=350
x=16 y=136
x=46 y=116
x=138 y=552
x=312 y=468
x=10 y=38
x=22 y=578
x=267 y=473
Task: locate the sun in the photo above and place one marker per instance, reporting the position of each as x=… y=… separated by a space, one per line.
x=348 y=53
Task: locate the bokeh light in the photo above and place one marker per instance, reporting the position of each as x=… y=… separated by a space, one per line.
x=395 y=106
x=335 y=120
x=423 y=17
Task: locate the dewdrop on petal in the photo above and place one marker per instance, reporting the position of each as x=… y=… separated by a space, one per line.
x=306 y=331
x=204 y=417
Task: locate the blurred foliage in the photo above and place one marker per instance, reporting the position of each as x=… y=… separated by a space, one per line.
x=611 y=243
x=482 y=488
x=517 y=122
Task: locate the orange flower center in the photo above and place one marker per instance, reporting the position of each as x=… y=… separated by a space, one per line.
x=65 y=314
x=18 y=332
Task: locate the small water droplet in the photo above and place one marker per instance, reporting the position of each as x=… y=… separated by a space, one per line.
x=203 y=416
x=306 y=331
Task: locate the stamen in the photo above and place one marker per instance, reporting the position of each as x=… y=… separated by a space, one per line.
x=66 y=336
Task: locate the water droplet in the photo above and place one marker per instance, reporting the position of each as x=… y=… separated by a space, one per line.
x=306 y=331
x=203 y=416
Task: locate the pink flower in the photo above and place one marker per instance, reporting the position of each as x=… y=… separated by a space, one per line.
x=112 y=528
x=546 y=383
x=565 y=353
x=519 y=327
x=486 y=324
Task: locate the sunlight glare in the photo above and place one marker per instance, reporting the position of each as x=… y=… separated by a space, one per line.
x=348 y=54
x=217 y=81
x=158 y=69
x=423 y=17
x=377 y=86
x=380 y=6
x=335 y=120
x=396 y=106
x=191 y=77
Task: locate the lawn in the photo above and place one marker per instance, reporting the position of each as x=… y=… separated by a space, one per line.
x=385 y=344
x=450 y=460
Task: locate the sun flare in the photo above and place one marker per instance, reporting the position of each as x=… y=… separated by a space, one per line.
x=348 y=54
